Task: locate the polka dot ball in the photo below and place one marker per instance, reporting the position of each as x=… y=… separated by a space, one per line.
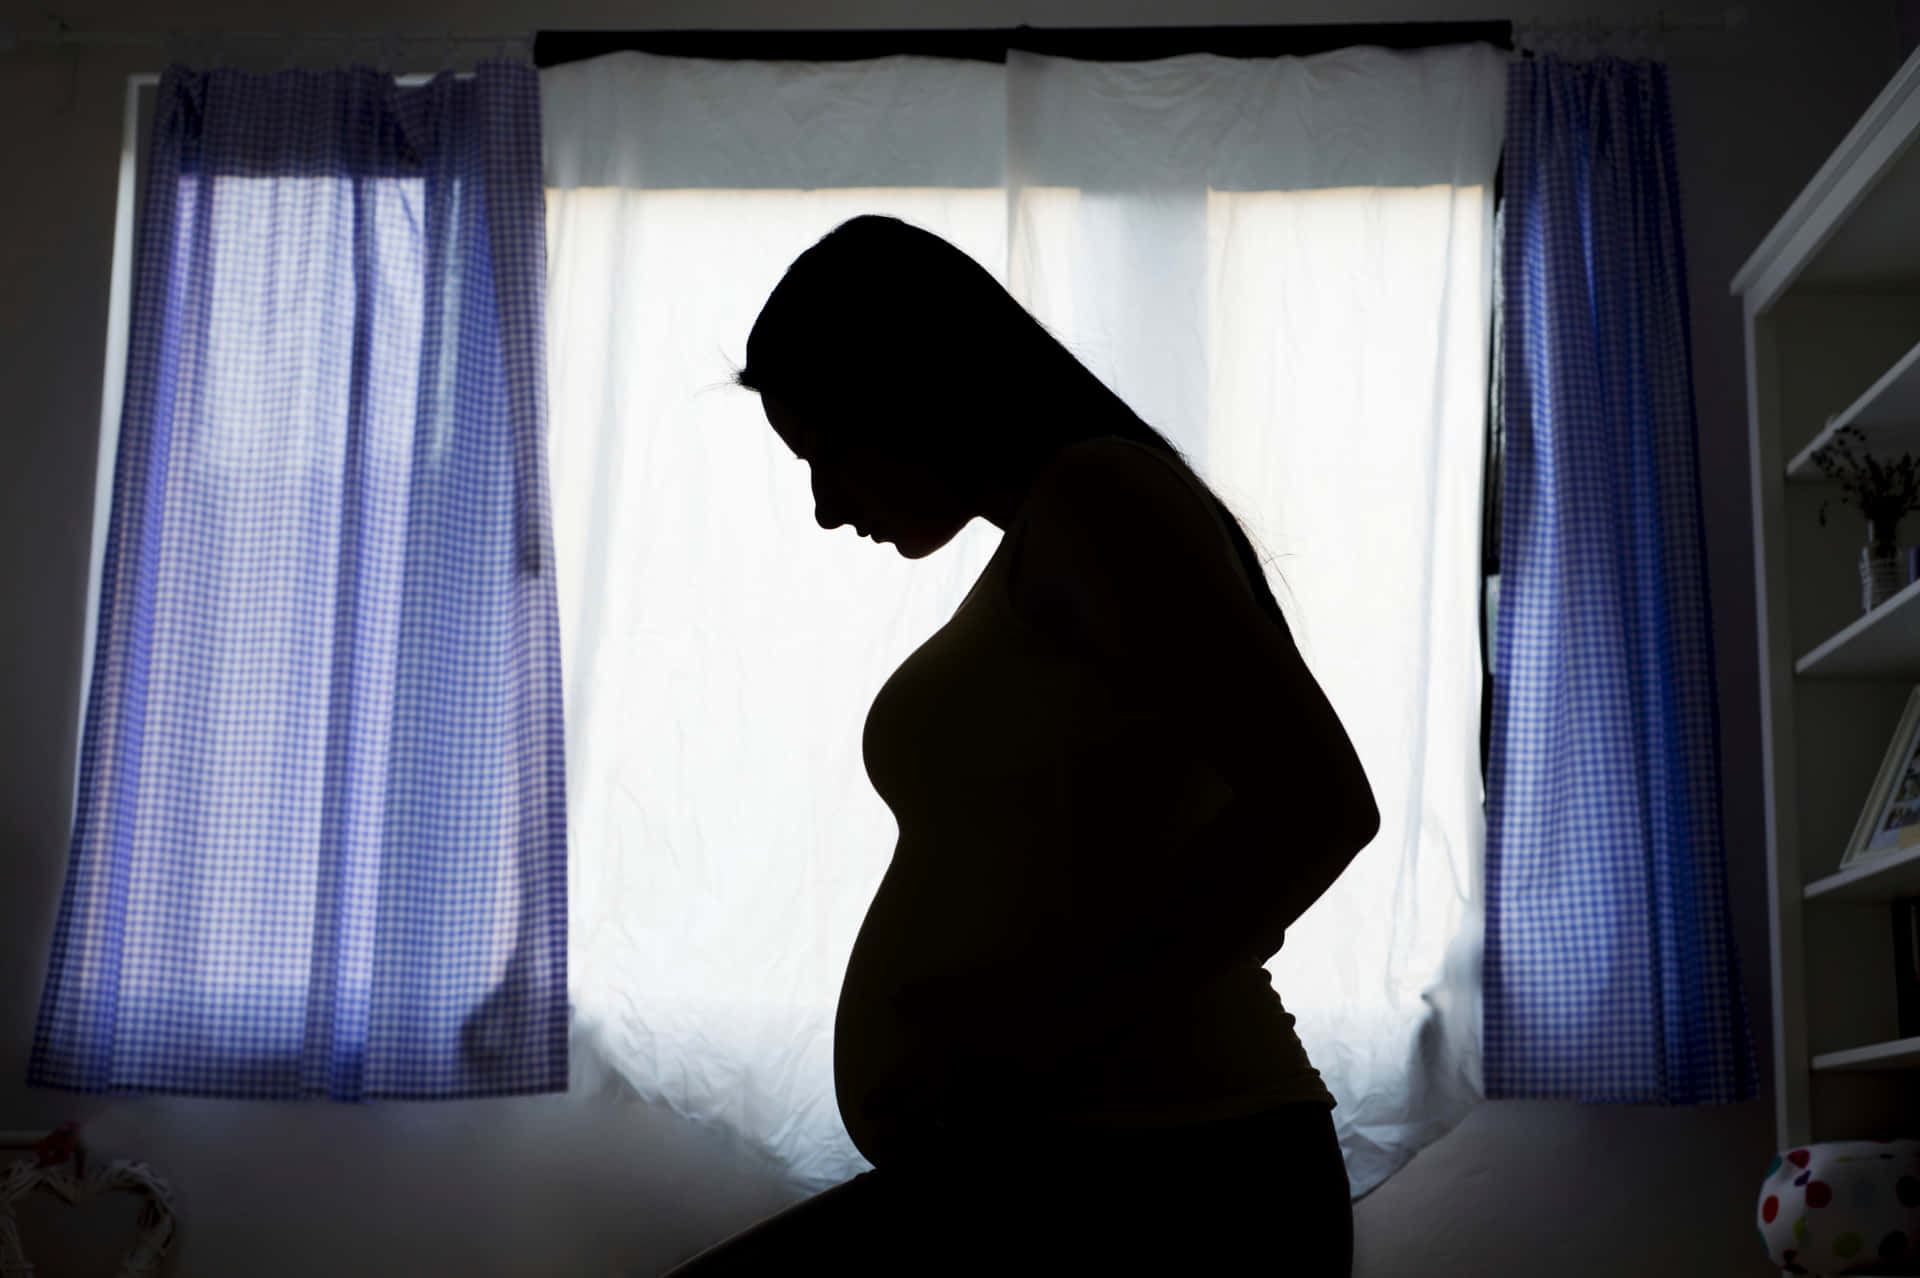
x=1843 y=1207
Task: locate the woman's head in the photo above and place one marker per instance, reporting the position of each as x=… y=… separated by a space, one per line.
x=886 y=341
x=879 y=315
x=917 y=388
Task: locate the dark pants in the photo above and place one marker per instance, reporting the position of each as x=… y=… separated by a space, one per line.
x=1260 y=1195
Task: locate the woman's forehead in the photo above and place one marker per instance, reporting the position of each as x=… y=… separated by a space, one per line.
x=809 y=435
x=786 y=423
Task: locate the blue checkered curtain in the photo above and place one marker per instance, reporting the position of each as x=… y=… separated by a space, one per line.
x=1610 y=972
x=319 y=847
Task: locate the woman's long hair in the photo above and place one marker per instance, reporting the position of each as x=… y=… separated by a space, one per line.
x=892 y=337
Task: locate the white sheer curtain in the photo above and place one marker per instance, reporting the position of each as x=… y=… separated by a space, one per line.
x=1283 y=264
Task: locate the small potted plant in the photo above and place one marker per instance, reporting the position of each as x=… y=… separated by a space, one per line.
x=1884 y=491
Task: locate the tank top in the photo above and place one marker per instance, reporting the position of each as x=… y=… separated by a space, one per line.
x=1036 y=802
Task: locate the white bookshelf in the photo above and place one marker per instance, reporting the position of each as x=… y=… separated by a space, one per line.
x=1888 y=414
x=1881 y=881
x=1882 y=644
x=1832 y=311
x=1900 y=1054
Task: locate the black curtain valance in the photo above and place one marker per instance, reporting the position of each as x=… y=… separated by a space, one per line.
x=1103 y=44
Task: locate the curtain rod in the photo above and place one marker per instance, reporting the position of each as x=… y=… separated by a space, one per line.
x=1663 y=20
x=1733 y=17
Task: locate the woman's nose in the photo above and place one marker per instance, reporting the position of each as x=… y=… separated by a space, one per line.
x=827 y=511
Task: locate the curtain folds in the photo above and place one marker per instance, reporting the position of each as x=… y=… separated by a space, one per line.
x=1283 y=264
x=319 y=846
x=1610 y=967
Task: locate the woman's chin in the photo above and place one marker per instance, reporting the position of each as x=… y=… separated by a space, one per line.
x=916 y=546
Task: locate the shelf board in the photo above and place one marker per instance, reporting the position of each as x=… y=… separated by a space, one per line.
x=1888 y=415
x=1893 y=876
x=1901 y=1053
x=1883 y=644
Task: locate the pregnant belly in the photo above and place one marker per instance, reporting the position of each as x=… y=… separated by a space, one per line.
x=938 y=1022
x=918 y=997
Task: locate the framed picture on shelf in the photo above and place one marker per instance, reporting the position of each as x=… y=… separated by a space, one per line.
x=1890 y=821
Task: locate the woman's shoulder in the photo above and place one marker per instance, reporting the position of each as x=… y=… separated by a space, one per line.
x=1109 y=486
x=1113 y=449
x=1126 y=469
x=1119 y=485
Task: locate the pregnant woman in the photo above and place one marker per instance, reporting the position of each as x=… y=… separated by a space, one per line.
x=1116 y=783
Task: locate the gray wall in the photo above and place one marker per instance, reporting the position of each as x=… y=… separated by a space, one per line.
x=574 y=1184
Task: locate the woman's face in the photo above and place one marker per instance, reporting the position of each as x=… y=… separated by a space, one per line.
x=888 y=498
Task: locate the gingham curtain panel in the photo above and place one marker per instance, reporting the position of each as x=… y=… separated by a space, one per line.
x=319 y=846
x=1609 y=967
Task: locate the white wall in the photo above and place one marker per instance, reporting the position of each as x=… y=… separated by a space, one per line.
x=572 y=1184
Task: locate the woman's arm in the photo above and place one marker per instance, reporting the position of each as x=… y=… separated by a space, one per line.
x=1252 y=871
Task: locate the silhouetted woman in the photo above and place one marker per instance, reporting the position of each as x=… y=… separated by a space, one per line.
x=1116 y=783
